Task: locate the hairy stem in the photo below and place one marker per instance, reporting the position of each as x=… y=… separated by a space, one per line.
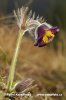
x=14 y=60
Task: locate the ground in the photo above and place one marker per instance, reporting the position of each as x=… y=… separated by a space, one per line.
x=44 y=65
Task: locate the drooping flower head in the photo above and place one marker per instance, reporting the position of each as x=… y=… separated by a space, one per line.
x=44 y=34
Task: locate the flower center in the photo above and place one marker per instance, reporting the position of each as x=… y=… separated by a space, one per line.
x=48 y=36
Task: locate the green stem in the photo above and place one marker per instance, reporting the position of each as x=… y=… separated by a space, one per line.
x=13 y=64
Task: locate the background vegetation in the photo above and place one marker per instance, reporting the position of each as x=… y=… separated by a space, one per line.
x=47 y=65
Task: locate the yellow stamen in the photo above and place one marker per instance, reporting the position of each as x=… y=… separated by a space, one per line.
x=46 y=35
x=49 y=33
x=45 y=39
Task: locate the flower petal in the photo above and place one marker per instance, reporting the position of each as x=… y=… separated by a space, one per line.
x=45 y=33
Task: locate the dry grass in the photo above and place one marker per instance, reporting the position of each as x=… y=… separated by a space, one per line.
x=44 y=65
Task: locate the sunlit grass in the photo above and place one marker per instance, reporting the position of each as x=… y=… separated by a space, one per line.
x=45 y=65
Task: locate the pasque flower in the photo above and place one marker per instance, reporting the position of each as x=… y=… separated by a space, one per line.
x=44 y=34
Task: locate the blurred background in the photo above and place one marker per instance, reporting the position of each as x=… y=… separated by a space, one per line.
x=47 y=65
x=53 y=10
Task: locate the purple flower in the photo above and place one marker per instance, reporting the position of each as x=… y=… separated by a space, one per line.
x=44 y=34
